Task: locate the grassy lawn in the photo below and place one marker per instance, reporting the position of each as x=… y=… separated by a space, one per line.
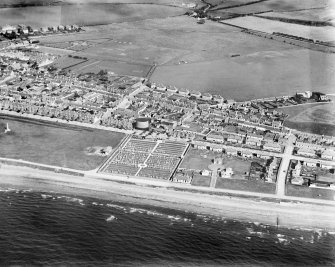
x=197 y=159
x=308 y=192
x=199 y=180
x=246 y=185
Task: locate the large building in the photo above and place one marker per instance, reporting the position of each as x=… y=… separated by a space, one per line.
x=142 y=123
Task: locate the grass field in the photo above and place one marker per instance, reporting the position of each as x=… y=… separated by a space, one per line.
x=246 y=185
x=56 y=145
x=315 y=118
x=66 y=62
x=199 y=180
x=198 y=159
x=303 y=191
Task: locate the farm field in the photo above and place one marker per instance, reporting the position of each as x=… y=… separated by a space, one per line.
x=325 y=34
x=315 y=118
x=322 y=14
x=279 y=5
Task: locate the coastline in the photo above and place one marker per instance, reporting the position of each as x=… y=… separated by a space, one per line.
x=286 y=214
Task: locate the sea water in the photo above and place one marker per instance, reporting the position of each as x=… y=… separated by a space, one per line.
x=39 y=228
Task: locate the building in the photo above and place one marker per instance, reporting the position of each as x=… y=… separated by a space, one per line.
x=231 y=151
x=306 y=152
x=142 y=123
x=272 y=146
x=206 y=96
x=235 y=139
x=297 y=169
x=195 y=94
x=213 y=137
x=247 y=154
x=328 y=154
x=227 y=173
x=183 y=92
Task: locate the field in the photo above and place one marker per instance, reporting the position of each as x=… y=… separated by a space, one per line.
x=246 y=185
x=262 y=68
x=199 y=180
x=56 y=145
x=321 y=14
x=315 y=118
x=279 y=5
x=325 y=34
x=303 y=191
x=66 y=62
x=198 y=159
x=211 y=57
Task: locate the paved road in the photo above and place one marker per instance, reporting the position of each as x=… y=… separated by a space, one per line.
x=285 y=162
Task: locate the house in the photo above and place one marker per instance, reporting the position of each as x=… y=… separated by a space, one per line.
x=297 y=181
x=171 y=89
x=213 y=137
x=310 y=164
x=196 y=94
x=297 y=169
x=200 y=145
x=306 y=152
x=205 y=172
x=231 y=151
x=247 y=154
x=183 y=92
x=216 y=148
x=272 y=146
x=218 y=98
x=235 y=139
x=206 y=96
x=227 y=173
x=328 y=154
x=184 y=179
x=277 y=124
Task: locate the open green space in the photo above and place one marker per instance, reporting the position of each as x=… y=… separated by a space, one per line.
x=55 y=144
x=318 y=118
x=309 y=192
x=199 y=180
x=196 y=159
x=246 y=185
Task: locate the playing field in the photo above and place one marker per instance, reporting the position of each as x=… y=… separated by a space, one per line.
x=55 y=144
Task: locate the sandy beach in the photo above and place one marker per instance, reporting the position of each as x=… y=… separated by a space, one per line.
x=292 y=215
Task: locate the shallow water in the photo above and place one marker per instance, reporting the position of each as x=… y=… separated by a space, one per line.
x=94 y=14
x=48 y=229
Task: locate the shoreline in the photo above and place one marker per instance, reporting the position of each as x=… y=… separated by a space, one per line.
x=289 y=215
